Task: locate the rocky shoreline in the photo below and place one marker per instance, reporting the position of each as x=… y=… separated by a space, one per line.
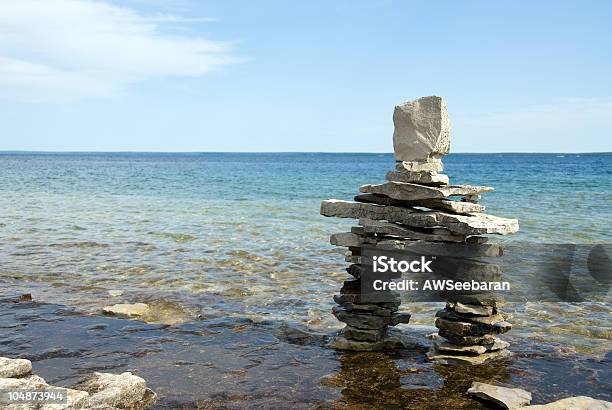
x=105 y=391
x=240 y=360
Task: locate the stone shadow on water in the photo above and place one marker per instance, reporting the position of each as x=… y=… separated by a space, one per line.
x=234 y=362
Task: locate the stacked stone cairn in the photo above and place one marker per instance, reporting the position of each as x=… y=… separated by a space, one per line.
x=418 y=210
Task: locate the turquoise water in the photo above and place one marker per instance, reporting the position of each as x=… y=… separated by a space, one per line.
x=217 y=235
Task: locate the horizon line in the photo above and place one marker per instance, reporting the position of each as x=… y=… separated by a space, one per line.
x=279 y=152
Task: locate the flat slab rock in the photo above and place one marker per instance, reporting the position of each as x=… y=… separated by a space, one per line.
x=459 y=250
x=432 y=165
x=127 y=309
x=457 y=207
x=458 y=349
x=425 y=178
x=412 y=192
x=467 y=309
x=477 y=224
x=574 y=403
x=123 y=390
x=507 y=398
x=14 y=367
x=387 y=343
x=388 y=228
x=445 y=358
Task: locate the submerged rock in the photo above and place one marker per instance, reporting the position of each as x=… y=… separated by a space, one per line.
x=14 y=367
x=127 y=309
x=389 y=342
x=123 y=390
x=507 y=398
x=164 y=312
x=574 y=403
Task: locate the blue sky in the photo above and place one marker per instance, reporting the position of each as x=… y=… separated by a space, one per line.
x=179 y=75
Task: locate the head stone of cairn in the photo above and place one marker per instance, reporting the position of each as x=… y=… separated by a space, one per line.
x=422 y=130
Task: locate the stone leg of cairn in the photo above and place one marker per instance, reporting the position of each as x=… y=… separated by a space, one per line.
x=419 y=211
x=367 y=322
x=471 y=333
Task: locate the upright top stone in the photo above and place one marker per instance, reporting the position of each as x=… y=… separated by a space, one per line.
x=422 y=130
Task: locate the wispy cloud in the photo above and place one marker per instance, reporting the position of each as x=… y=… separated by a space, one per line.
x=65 y=50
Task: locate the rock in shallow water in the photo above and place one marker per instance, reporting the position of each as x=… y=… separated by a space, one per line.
x=505 y=397
x=389 y=342
x=14 y=367
x=123 y=390
x=574 y=403
x=442 y=358
x=127 y=309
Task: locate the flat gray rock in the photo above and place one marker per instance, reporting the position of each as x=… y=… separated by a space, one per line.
x=425 y=178
x=389 y=342
x=466 y=309
x=484 y=340
x=353 y=333
x=413 y=192
x=485 y=320
x=433 y=165
x=574 y=403
x=392 y=229
x=114 y=390
x=459 y=250
x=127 y=309
x=439 y=357
x=452 y=348
x=473 y=270
x=360 y=320
x=422 y=129
x=457 y=207
x=371 y=309
x=393 y=302
x=507 y=398
x=498 y=344
x=347 y=239
x=478 y=224
x=14 y=367
x=463 y=329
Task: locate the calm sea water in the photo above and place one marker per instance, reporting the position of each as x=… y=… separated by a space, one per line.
x=219 y=234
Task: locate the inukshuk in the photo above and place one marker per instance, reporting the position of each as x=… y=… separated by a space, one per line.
x=417 y=209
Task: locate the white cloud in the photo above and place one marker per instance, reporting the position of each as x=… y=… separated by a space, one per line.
x=64 y=50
